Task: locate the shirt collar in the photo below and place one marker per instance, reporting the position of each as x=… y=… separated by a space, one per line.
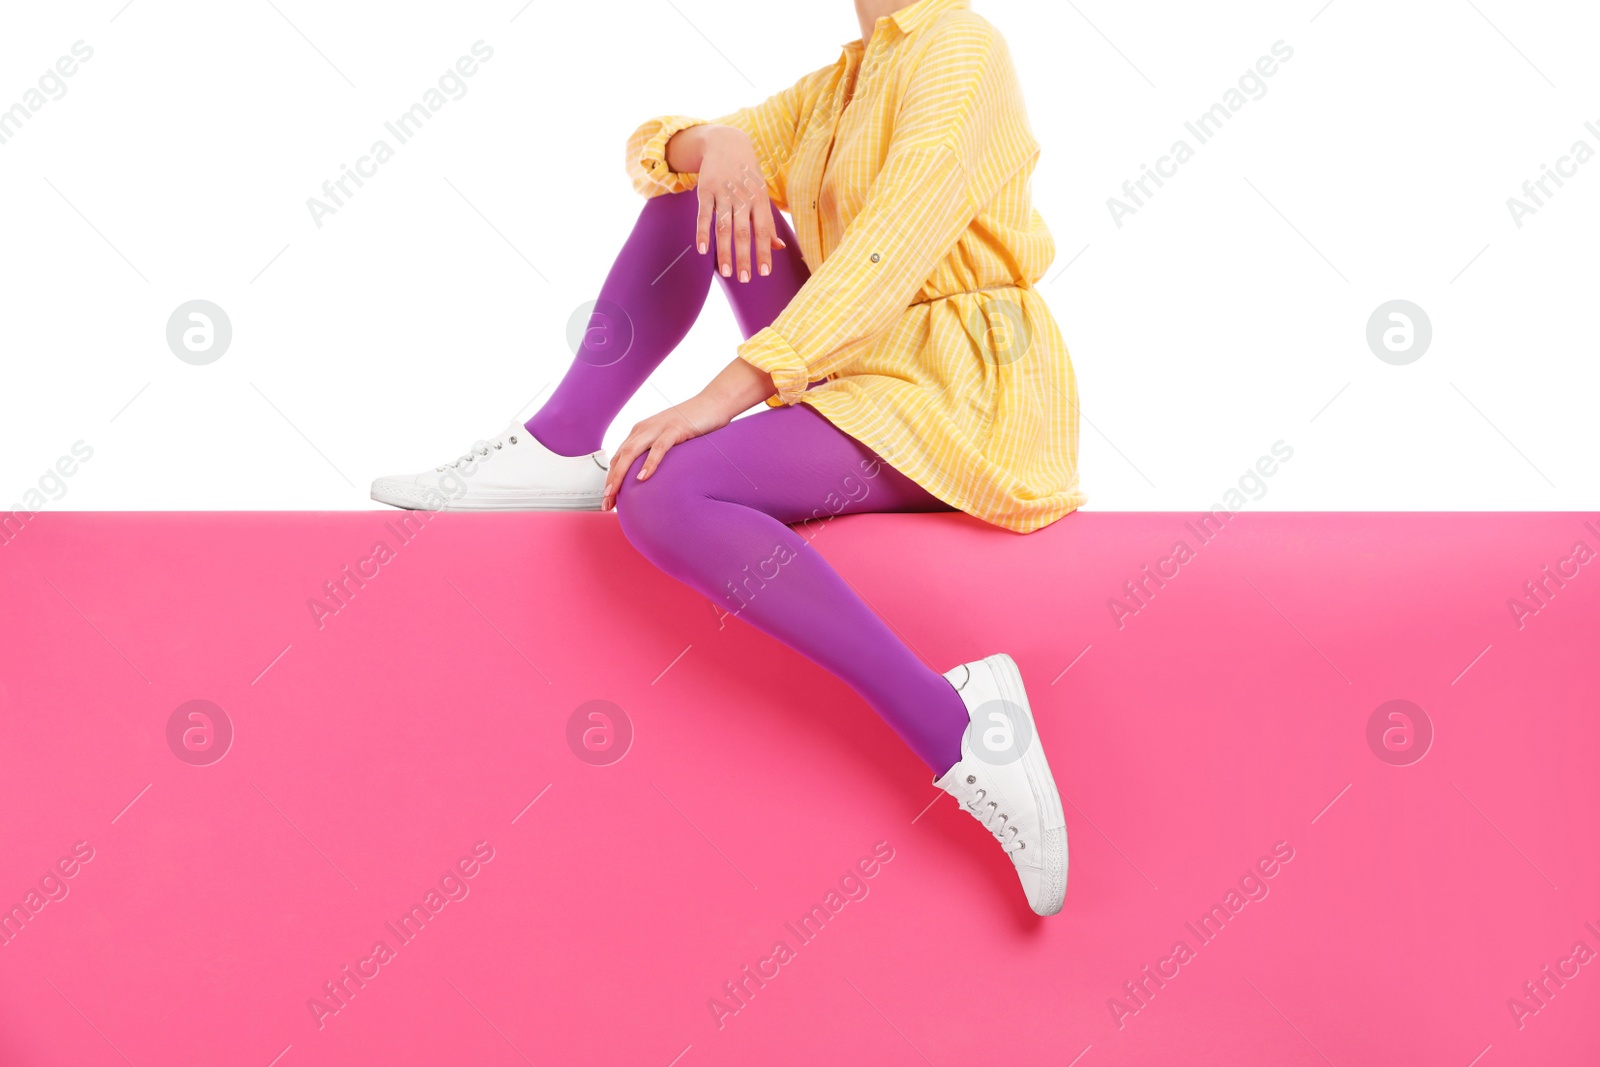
x=908 y=19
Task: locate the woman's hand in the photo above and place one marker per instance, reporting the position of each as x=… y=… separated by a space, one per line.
x=736 y=388
x=657 y=434
x=733 y=193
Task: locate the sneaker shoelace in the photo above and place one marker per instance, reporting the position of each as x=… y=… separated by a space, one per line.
x=480 y=449
x=993 y=819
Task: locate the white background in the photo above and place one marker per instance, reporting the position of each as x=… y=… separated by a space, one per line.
x=1229 y=313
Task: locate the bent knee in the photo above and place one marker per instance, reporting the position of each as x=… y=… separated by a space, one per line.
x=654 y=510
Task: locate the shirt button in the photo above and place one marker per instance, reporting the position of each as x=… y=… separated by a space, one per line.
x=874 y=257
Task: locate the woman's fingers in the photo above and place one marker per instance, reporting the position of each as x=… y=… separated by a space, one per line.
x=657 y=442
x=610 y=492
x=725 y=234
x=736 y=216
x=702 y=225
x=766 y=235
x=744 y=234
x=618 y=467
x=653 y=460
x=741 y=239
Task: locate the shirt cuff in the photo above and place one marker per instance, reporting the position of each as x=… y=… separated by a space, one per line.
x=767 y=350
x=651 y=174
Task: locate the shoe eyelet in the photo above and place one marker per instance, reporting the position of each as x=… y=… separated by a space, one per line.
x=971 y=779
x=513 y=439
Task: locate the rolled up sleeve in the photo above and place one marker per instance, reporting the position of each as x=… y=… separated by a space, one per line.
x=774 y=128
x=958 y=137
x=647 y=156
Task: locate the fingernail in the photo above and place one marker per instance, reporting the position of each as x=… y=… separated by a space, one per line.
x=727 y=271
x=765 y=270
x=702 y=248
x=744 y=275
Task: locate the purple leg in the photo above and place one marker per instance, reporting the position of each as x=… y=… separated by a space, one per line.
x=651 y=298
x=714 y=516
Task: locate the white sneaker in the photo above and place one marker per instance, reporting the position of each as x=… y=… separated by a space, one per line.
x=507 y=472
x=1003 y=780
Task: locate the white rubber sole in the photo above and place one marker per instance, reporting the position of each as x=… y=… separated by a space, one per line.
x=1053 y=829
x=415 y=498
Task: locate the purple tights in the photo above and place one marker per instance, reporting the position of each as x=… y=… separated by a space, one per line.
x=716 y=513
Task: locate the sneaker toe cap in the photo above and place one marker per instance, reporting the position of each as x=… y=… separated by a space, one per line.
x=405 y=488
x=1044 y=878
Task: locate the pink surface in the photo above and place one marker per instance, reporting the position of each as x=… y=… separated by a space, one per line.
x=1228 y=717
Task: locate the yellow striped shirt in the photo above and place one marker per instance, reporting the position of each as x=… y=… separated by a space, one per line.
x=913 y=210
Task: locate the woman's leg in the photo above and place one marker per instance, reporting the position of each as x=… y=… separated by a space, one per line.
x=650 y=299
x=700 y=517
x=714 y=516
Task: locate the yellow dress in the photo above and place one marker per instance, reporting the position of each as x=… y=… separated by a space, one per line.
x=914 y=214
